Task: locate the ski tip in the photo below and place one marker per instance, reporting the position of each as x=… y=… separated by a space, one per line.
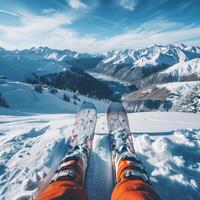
x=117 y=106
x=87 y=105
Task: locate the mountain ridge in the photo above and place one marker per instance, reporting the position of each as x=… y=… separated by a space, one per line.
x=143 y=70
x=132 y=65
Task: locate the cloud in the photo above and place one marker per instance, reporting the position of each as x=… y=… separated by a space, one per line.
x=51 y=30
x=77 y=4
x=9 y=13
x=129 y=4
x=33 y=30
x=138 y=39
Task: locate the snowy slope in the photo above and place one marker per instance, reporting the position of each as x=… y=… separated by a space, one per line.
x=22 y=97
x=184 y=68
x=182 y=71
x=31 y=147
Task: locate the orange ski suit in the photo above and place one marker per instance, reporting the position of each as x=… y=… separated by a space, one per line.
x=134 y=188
x=63 y=190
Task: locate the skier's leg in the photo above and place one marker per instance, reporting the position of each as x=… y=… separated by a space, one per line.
x=63 y=190
x=133 y=190
x=67 y=184
x=132 y=182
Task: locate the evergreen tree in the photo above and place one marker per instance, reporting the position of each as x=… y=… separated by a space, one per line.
x=3 y=102
x=190 y=102
x=66 y=98
x=38 y=88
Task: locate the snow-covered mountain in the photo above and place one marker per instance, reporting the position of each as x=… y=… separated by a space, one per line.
x=149 y=69
x=20 y=68
x=143 y=69
x=132 y=65
x=51 y=54
x=20 y=65
x=65 y=67
x=80 y=60
x=162 y=90
x=182 y=71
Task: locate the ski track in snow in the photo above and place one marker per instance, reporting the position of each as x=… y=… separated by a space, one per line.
x=32 y=146
x=99 y=177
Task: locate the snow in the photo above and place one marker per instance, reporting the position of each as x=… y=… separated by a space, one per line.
x=184 y=68
x=30 y=148
x=172 y=163
x=55 y=56
x=167 y=143
x=178 y=89
x=52 y=56
x=153 y=55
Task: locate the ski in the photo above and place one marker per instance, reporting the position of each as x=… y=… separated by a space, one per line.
x=73 y=167
x=130 y=177
x=122 y=145
x=80 y=142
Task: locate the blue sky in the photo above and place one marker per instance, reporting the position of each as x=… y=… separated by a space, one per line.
x=98 y=25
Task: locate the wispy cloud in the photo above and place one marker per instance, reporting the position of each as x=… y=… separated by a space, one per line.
x=50 y=30
x=77 y=4
x=139 y=39
x=129 y=4
x=160 y=23
x=33 y=30
x=101 y=19
x=9 y=13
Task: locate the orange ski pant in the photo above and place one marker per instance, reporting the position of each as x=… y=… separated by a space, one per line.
x=63 y=190
x=133 y=190
x=124 y=190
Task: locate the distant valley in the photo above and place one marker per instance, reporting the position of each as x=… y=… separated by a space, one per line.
x=153 y=78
